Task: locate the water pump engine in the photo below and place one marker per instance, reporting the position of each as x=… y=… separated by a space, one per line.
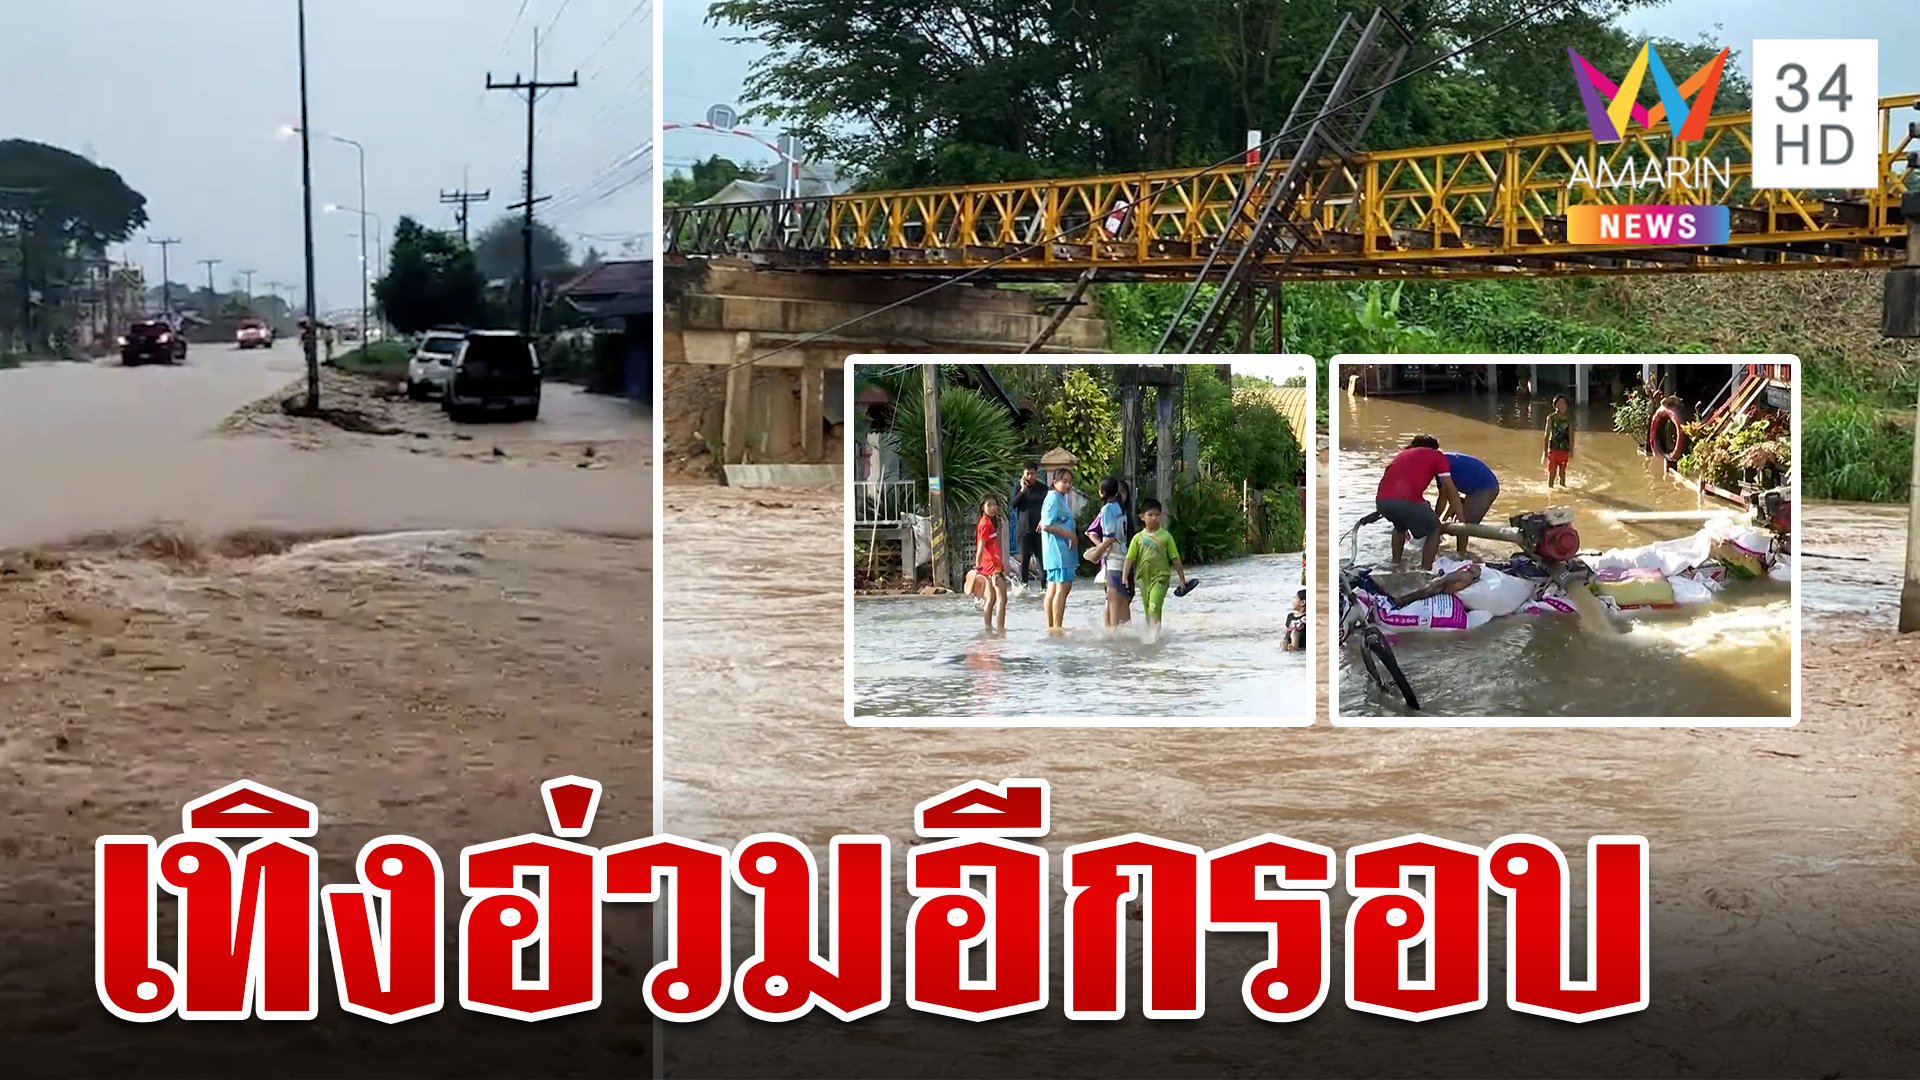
x=1547 y=535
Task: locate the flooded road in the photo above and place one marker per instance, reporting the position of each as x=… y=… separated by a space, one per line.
x=1219 y=654
x=1726 y=659
x=1786 y=863
x=421 y=682
x=91 y=447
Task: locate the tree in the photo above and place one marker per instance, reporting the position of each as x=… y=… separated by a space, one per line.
x=961 y=91
x=431 y=281
x=65 y=200
x=1084 y=420
x=707 y=178
x=497 y=254
x=58 y=209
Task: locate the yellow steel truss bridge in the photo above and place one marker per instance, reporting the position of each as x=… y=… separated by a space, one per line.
x=1474 y=209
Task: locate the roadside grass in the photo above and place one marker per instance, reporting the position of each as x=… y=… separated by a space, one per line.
x=383 y=358
x=11 y=360
x=1855 y=452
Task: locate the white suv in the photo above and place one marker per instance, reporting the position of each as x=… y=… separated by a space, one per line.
x=432 y=364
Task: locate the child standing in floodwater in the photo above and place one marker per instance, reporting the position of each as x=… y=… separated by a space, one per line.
x=1559 y=441
x=1150 y=556
x=1109 y=552
x=990 y=566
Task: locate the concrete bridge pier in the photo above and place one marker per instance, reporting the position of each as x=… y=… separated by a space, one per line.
x=755 y=360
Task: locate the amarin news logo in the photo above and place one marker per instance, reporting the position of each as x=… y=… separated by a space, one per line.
x=1609 y=120
x=1693 y=219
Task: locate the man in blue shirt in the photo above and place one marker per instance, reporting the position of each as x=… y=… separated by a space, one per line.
x=1057 y=544
x=1478 y=488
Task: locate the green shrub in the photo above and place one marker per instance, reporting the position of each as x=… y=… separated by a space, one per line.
x=1855 y=453
x=1206 y=522
x=1286 y=521
x=981 y=451
x=387 y=358
x=566 y=359
x=1634 y=415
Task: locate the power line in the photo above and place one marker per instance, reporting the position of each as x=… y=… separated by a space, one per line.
x=564 y=4
x=643 y=6
x=531 y=88
x=1018 y=252
x=573 y=193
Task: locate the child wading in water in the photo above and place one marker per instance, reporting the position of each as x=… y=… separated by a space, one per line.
x=1150 y=556
x=989 y=565
x=1559 y=442
x=1109 y=552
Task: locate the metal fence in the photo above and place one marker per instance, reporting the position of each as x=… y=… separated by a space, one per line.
x=882 y=502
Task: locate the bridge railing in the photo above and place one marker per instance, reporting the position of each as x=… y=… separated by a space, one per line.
x=1467 y=202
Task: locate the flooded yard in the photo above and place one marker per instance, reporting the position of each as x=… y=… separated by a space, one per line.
x=1218 y=655
x=1729 y=658
x=1785 y=862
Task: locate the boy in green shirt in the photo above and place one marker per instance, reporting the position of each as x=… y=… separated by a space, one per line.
x=1150 y=555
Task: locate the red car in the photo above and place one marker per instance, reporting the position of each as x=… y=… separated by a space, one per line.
x=253 y=333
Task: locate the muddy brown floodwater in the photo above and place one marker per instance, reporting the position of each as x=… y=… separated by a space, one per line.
x=410 y=640
x=1728 y=658
x=1785 y=886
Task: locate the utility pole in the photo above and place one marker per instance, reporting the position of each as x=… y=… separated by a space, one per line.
x=213 y=298
x=936 y=495
x=248 y=274
x=461 y=199
x=166 y=276
x=532 y=88
x=106 y=293
x=310 y=335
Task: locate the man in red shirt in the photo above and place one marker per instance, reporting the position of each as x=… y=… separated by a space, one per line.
x=1402 y=497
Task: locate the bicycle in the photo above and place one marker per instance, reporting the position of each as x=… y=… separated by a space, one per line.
x=1359 y=630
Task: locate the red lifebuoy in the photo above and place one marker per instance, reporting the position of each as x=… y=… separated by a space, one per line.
x=1666 y=421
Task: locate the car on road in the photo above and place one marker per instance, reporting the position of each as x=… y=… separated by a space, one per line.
x=495 y=373
x=253 y=334
x=432 y=363
x=152 y=340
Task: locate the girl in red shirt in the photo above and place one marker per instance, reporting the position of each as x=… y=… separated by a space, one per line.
x=989 y=565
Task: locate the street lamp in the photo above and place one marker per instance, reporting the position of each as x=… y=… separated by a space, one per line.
x=380 y=235
x=362 y=151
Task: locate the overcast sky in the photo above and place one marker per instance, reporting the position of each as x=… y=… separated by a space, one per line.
x=185 y=99
x=703 y=68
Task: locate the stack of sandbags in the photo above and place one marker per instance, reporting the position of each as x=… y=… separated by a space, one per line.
x=1495 y=592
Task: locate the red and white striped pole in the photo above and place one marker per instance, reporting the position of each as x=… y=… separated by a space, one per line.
x=1253 y=149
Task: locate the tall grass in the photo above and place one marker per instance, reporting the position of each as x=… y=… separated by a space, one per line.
x=1854 y=452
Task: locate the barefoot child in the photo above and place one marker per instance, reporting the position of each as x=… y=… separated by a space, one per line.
x=1559 y=442
x=1057 y=544
x=1150 y=555
x=1109 y=552
x=989 y=565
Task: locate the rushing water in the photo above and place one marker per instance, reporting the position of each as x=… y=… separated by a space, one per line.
x=1730 y=658
x=1785 y=862
x=1218 y=654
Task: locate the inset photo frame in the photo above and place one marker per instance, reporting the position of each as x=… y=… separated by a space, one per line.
x=1080 y=541
x=1563 y=541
